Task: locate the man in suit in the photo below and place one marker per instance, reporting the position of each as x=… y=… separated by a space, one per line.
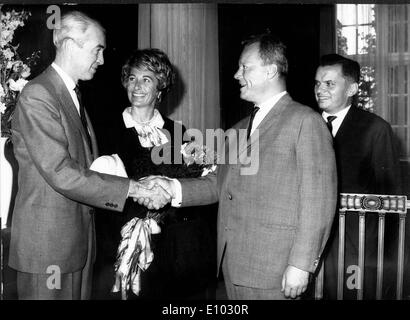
x=273 y=221
x=52 y=236
x=367 y=163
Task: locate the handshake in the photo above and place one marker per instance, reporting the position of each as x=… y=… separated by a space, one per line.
x=154 y=192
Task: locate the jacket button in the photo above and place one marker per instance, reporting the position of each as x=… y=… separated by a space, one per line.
x=107 y=204
x=115 y=205
x=229 y=196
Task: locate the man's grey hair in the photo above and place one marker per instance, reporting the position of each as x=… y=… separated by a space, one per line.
x=73 y=26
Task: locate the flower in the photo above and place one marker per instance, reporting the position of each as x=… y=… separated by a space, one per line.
x=13 y=71
x=2 y=107
x=134 y=254
x=198 y=154
x=17 y=85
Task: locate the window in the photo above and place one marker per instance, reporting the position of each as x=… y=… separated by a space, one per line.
x=377 y=36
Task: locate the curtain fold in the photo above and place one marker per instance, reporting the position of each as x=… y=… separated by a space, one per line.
x=188 y=34
x=392 y=70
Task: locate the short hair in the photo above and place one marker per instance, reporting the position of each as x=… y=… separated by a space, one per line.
x=350 y=68
x=73 y=26
x=154 y=60
x=271 y=50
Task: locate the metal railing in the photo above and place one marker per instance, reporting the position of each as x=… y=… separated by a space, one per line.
x=363 y=204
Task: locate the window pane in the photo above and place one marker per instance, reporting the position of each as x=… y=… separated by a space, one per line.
x=346 y=14
x=365 y=13
x=366 y=39
x=350 y=33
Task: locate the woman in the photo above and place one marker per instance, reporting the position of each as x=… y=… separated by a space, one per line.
x=183 y=251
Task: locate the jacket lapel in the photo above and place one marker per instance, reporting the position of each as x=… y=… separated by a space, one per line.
x=94 y=146
x=344 y=127
x=65 y=99
x=69 y=107
x=271 y=119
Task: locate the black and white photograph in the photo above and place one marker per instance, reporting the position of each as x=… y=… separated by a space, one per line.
x=205 y=152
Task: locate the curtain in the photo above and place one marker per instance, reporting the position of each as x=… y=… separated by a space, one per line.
x=188 y=34
x=392 y=69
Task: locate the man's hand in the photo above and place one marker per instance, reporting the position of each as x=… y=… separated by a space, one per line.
x=165 y=182
x=151 y=195
x=294 y=282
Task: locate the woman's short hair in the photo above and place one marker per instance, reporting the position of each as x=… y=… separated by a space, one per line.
x=153 y=60
x=73 y=25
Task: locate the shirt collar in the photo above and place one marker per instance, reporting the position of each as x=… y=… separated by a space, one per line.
x=156 y=121
x=149 y=133
x=268 y=104
x=340 y=115
x=68 y=81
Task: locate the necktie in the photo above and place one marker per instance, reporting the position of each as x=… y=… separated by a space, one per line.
x=255 y=109
x=82 y=115
x=329 y=123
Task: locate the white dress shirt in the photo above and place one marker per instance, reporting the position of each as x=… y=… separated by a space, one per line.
x=264 y=109
x=336 y=123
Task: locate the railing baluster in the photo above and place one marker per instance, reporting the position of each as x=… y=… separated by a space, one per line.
x=400 y=260
x=380 y=256
x=362 y=231
x=363 y=204
x=341 y=258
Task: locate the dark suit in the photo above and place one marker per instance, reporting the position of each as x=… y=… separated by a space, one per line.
x=279 y=215
x=52 y=221
x=367 y=162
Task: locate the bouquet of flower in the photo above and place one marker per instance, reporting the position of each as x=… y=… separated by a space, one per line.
x=134 y=252
x=14 y=71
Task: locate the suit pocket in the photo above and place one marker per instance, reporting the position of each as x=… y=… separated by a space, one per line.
x=275 y=226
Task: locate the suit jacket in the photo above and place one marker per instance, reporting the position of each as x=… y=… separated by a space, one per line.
x=366 y=154
x=281 y=214
x=367 y=162
x=52 y=216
